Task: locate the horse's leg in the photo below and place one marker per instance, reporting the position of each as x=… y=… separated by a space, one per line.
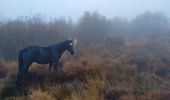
x=50 y=66
x=21 y=76
x=55 y=65
x=25 y=71
x=19 y=79
x=20 y=61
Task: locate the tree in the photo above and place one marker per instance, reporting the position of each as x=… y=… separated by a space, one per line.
x=92 y=27
x=150 y=24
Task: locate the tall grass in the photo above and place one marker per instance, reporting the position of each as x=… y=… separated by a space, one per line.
x=94 y=73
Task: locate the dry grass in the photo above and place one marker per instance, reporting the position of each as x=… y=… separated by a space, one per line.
x=94 y=73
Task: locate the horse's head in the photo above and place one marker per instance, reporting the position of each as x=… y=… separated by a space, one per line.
x=70 y=45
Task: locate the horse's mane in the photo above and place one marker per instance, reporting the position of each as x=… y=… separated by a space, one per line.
x=60 y=44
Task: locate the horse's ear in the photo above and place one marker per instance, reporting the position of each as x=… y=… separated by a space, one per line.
x=69 y=39
x=73 y=40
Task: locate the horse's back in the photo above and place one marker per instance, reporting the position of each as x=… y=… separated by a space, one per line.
x=33 y=48
x=29 y=52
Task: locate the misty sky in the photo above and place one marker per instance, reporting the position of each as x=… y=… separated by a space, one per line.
x=75 y=8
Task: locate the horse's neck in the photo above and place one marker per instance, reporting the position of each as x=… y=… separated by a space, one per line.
x=60 y=47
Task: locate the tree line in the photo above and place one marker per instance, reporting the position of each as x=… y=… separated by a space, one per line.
x=90 y=28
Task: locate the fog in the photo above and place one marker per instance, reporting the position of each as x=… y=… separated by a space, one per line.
x=75 y=8
x=31 y=22
x=122 y=53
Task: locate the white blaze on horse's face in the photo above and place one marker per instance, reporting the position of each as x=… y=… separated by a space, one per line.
x=71 y=44
x=74 y=41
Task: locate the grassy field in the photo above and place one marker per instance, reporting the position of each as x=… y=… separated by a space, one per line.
x=138 y=71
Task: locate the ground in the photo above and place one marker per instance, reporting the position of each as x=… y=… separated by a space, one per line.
x=137 y=71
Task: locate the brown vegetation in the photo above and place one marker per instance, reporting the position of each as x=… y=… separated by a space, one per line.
x=131 y=64
x=94 y=73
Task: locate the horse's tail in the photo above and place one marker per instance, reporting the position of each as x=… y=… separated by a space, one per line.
x=19 y=76
x=20 y=61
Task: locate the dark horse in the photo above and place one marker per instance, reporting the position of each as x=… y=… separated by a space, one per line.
x=42 y=55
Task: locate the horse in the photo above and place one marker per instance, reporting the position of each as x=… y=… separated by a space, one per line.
x=42 y=55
